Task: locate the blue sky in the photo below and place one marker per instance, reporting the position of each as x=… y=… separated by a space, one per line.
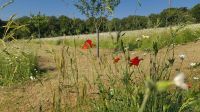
x=58 y=7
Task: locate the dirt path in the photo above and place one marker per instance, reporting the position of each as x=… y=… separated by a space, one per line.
x=27 y=97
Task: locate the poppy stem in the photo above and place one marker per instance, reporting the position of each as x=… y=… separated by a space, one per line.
x=147 y=94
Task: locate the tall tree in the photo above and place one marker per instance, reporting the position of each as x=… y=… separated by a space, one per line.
x=65 y=25
x=53 y=26
x=115 y=25
x=154 y=20
x=196 y=12
x=25 y=31
x=97 y=9
x=174 y=16
x=39 y=23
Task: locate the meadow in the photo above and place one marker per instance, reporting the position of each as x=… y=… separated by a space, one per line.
x=57 y=74
x=186 y=33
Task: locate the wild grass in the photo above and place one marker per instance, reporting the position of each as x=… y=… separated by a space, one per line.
x=136 y=41
x=103 y=86
x=17 y=65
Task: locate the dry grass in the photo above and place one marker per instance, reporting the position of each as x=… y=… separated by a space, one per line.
x=21 y=98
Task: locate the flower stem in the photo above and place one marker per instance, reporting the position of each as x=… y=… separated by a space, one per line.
x=147 y=94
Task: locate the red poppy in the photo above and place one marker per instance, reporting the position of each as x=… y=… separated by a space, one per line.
x=85 y=46
x=88 y=44
x=135 y=61
x=116 y=59
x=189 y=85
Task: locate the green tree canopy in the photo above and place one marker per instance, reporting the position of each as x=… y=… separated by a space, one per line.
x=195 y=11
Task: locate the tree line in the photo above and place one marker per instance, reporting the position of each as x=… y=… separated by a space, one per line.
x=51 y=26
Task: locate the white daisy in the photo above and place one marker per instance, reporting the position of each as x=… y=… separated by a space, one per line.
x=32 y=78
x=182 y=56
x=144 y=54
x=145 y=36
x=196 y=78
x=192 y=64
x=111 y=91
x=138 y=39
x=179 y=81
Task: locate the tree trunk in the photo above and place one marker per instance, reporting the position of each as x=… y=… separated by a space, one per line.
x=97 y=31
x=39 y=35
